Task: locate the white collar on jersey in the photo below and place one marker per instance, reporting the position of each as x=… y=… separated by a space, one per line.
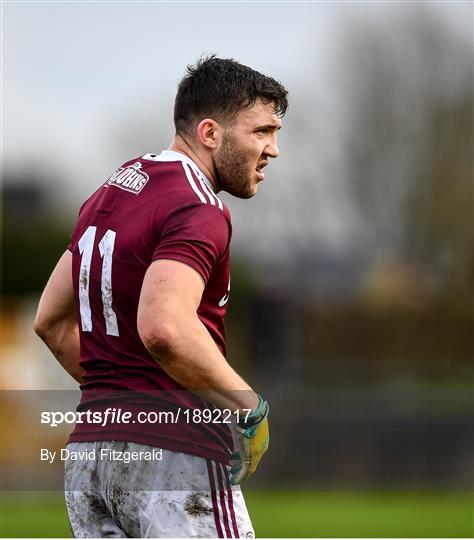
x=172 y=155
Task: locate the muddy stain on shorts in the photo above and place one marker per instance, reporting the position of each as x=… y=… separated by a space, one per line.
x=196 y=506
x=94 y=502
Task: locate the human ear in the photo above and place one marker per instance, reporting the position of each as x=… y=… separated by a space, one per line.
x=208 y=132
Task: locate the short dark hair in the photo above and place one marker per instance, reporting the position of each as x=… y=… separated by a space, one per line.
x=219 y=88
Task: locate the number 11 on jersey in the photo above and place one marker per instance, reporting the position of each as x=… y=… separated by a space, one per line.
x=106 y=249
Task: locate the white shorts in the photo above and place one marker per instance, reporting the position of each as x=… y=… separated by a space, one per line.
x=177 y=496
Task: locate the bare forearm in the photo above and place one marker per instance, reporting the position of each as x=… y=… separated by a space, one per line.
x=63 y=341
x=55 y=321
x=193 y=360
x=171 y=330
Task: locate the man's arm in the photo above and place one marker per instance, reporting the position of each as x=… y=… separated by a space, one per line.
x=56 y=322
x=170 y=329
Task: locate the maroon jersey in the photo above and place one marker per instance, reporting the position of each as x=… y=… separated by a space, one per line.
x=153 y=207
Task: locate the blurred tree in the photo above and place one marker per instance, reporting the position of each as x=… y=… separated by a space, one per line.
x=440 y=210
x=33 y=237
x=408 y=146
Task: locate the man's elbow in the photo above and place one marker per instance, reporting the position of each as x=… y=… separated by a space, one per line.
x=45 y=325
x=162 y=342
x=41 y=326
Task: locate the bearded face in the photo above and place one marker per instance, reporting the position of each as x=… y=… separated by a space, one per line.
x=235 y=170
x=248 y=141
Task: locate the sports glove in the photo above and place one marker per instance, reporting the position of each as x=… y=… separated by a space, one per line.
x=251 y=439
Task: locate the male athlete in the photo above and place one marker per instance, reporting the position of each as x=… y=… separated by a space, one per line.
x=134 y=311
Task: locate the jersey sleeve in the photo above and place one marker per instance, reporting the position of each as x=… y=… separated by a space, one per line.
x=197 y=235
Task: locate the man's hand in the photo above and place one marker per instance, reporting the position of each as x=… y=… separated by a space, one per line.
x=251 y=439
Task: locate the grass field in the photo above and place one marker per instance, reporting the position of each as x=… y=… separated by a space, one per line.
x=289 y=513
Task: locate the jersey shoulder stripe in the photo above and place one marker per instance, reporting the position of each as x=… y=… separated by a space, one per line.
x=195 y=177
x=206 y=188
x=192 y=183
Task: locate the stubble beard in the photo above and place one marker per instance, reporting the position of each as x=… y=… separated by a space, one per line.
x=234 y=174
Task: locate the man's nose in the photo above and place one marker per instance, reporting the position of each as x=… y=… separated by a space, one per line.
x=272 y=148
